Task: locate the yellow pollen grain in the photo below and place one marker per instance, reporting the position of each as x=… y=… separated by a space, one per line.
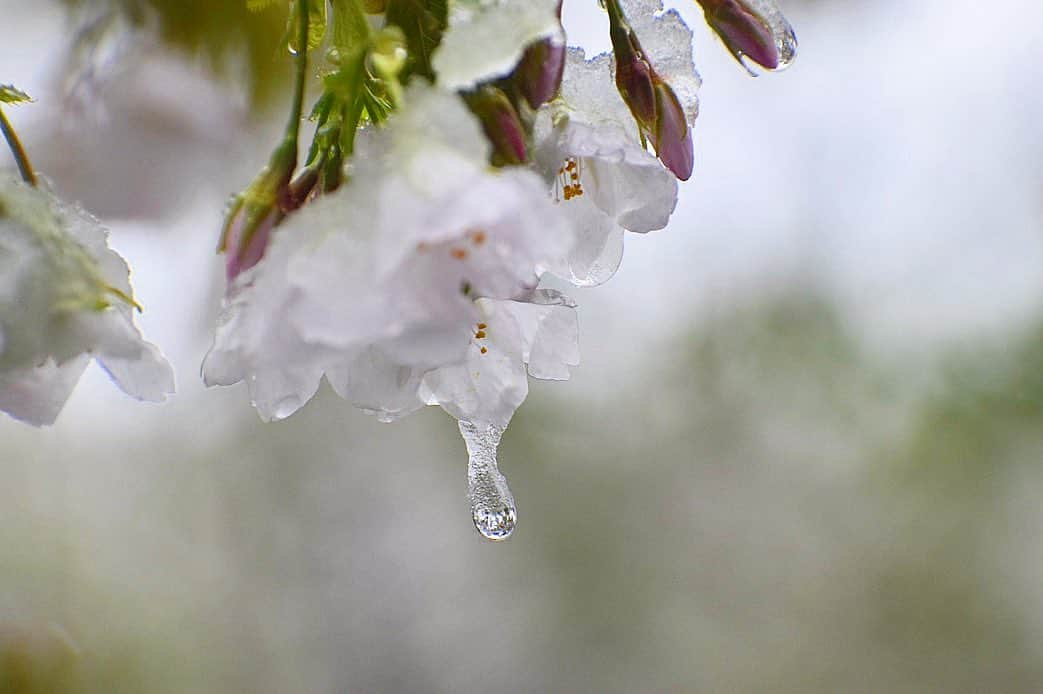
x=459 y=253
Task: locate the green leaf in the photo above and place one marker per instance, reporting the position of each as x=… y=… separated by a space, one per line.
x=9 y=94
x=350 y=27
x=316 y=24
x=423 y=23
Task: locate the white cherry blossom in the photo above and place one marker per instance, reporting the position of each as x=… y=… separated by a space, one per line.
x=538 y=336
x=602 y=177
x=65 y=296
x=375 y=284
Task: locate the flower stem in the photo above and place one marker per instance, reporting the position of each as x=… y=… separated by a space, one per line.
x=301 y=73
x=20 y=157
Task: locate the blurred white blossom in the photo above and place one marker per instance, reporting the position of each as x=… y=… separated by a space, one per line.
x=65 y=296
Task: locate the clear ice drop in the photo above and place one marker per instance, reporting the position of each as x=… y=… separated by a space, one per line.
x=755 y=32
x=781 y=31
x=492 y=504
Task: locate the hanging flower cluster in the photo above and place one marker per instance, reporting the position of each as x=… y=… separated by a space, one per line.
x=462 y=153
x=65 y=297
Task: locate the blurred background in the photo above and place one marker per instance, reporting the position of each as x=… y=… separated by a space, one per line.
x=802 y=453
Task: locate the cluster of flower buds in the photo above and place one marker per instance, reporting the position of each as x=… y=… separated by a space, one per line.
x=653 y=102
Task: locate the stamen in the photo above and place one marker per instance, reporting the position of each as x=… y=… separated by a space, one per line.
x=480 y=334
x=568 y=185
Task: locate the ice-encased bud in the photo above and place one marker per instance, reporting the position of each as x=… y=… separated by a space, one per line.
x=492 y=504
x=753 y=31
x=651 y=100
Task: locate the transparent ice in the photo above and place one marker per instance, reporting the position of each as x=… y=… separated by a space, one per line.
x=492 y=504
x=781 y=31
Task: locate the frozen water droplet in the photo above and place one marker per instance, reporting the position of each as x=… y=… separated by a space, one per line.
x=786 y=42
x=755 y=32
x=781 y=31
x=492 y=504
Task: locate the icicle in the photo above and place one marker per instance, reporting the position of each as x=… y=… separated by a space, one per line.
x=492 y=504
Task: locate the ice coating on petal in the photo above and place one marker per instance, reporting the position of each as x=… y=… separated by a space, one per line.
x=252 y=344
x=374 y=285
x=490 y=384
x=623 y=185
x=486 y=38
x=433 y=131
x=135 y=365
x=492 y=504
x=550 y=333
x=588 y=93
x=377 y=384
x=598 y=250
x=754 y=31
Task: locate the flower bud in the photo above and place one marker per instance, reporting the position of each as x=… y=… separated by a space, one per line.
x=501 y=123
x=255 y=212
x=538 y=75
x=752 y=30
x=673 y=137
x=653 y=103
x=634 y=77
x=246 y=237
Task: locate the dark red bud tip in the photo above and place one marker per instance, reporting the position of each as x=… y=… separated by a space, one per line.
x=501 y=124
x=510 y=141
x=673 y=137
x=539 y=73
x=743 y=32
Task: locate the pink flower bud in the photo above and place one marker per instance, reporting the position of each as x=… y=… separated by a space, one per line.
x=634 y=76
x=752 y=30
x=257 y=210
x=539 y=73
x=501 y=123
x=247 y=237
x=673 y=137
